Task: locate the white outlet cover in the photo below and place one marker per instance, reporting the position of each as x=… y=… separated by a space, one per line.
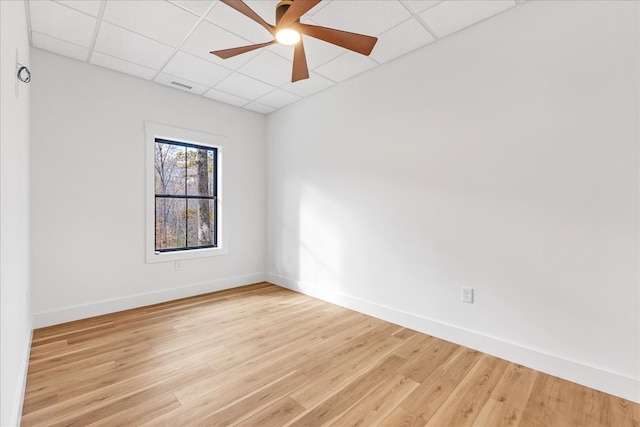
x=467 y=295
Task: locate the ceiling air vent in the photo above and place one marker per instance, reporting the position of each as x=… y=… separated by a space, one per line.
x=182 y=85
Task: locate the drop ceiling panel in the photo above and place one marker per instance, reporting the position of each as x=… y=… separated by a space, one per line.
x=208 y=37
x=265 y=8
x=122 y=66
x=226 y=98
x=199 y=7
x=278 y=98
x=346 y=66
x=450 y=16
x=259 y=108
x=314 y=84
x=284 y=51
x=61 y=47
x=166 y=40
x=233 y=21
x=132 y=47
x=269 y=68
x=418 y=6
x=399 y=40
x=91 y=7
x=244 y=86
x=319 y=52
x=196 y=69
x=161 y=21
x=62 y=22
x=371 y=17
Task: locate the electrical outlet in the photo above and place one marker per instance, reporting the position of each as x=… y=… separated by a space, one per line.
x=467 y=295
x=178 y=265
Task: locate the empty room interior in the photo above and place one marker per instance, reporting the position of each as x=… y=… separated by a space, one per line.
x=411 y=213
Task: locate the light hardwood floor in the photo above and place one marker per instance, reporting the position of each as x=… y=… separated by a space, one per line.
x=264 y=356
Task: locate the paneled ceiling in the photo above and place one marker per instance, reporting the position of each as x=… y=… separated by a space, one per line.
x=169 y=42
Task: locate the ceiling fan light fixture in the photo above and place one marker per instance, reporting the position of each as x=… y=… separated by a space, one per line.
x=287 y=36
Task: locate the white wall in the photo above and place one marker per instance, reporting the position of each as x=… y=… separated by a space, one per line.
x=87 y=193
x=503 y=158
x=15 y=321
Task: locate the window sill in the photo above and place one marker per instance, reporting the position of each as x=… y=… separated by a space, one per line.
x=155 y=257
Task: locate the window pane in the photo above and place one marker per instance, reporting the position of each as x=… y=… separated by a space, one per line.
x=170 y=223
x=201 y=220
x=169 y=169
x=199 y=172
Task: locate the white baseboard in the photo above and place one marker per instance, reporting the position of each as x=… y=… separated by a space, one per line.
x=84 y=311
x=596 y=378
x=21 y=383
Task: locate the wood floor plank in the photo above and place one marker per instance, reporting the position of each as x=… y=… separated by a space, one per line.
x=400 y=417
x=463 y=404
x=509 y=398
x=434 y=353
x=139 y=414
x=342 y=373
x=337 y=404
x=266 y=397
x=427 y=398
x=265 y=356
x=277 y=414
x=89 y=409
x=378 y=404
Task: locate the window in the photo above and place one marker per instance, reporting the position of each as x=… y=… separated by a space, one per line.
x=184 y=194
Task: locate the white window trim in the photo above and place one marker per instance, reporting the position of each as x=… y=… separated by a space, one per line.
x=172 y=133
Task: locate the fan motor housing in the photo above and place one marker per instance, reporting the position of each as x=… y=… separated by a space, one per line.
x=281 y=8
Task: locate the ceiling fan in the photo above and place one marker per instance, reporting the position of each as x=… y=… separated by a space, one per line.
x=288 y=30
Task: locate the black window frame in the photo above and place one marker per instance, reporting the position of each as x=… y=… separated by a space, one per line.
x=187 y=197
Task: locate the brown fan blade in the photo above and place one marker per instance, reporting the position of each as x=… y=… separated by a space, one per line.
x=228 y=53
x=352 y=41
x=241 y=7
x=296 y=10
x=300 y=70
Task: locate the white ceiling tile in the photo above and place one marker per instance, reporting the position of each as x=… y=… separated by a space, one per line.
x=132 y=47
x=319 y=52
x=159 y=20
x=265 y=8
x=199 y=7
x=269 y=68
x=195 y=69
x=399 y=40
x=244 y=87
x=208 y=37
x=226 y=98
x=278 y=98
x=315 y=83
x=61 y=22
x=92 y=7
x=281 y=50
x=61 y=47
x=259 y=108
x=419 y=6
x=167 y=80
x=122 y=66
x=235 y=22
x=317 y=8
x=450 y=16
x=370 y=17
x=346 y=66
